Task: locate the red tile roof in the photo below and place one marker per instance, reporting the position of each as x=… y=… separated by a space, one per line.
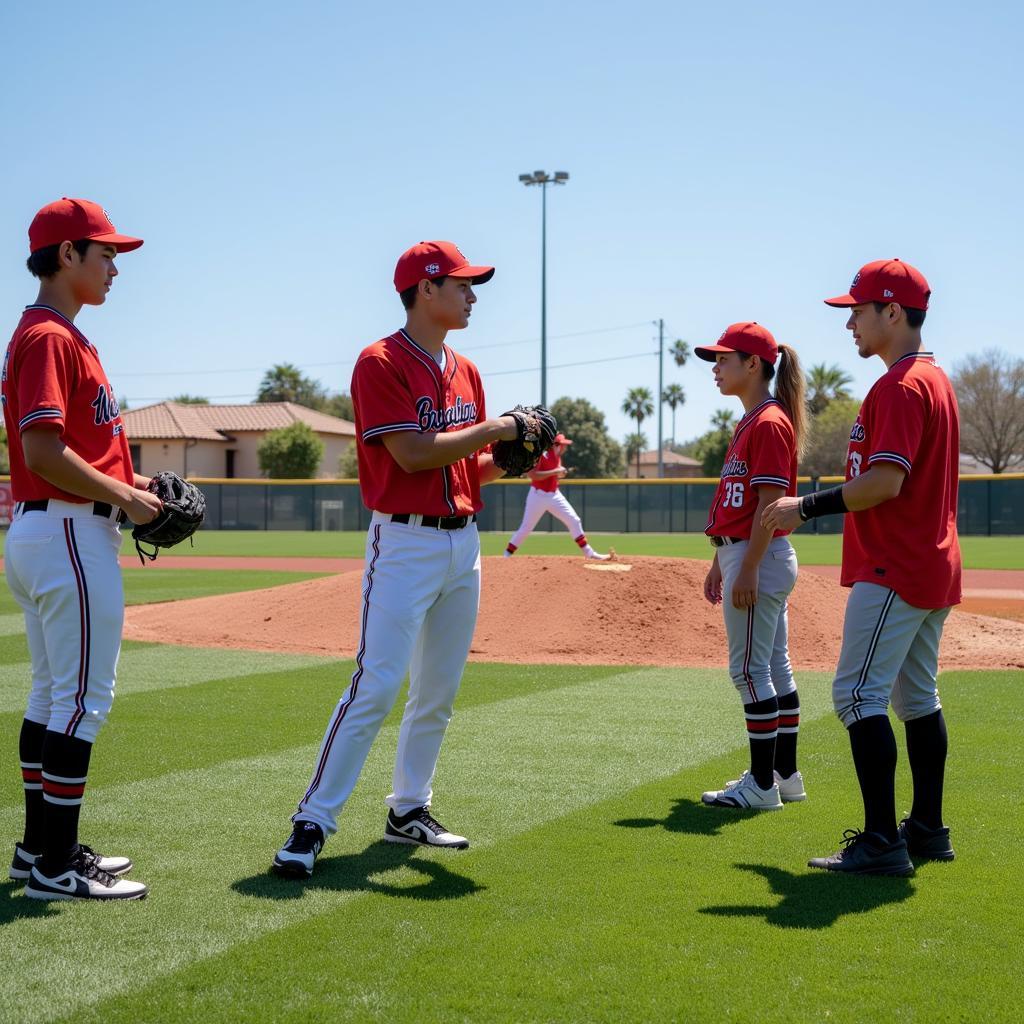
x=169 y=420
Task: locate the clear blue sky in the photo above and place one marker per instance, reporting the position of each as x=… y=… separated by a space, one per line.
x=728 y=162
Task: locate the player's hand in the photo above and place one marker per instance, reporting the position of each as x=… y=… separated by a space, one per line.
x=713 y=584
x=744 y=589
x=562 y=471
x=783 y=514
x=509 y=428
x=141 y=506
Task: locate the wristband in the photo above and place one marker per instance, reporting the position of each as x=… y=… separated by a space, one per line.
x=822 y=503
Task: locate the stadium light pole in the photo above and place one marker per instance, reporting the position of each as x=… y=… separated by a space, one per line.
x=544 y=179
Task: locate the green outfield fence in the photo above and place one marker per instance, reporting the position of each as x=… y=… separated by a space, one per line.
x=989 y=505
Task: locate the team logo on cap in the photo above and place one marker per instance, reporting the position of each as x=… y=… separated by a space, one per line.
x=432 y=268
x=856 y=278
x=886 y=293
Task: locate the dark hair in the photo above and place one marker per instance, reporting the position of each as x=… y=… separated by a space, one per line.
x=43 y=262
x=915 y=317
x=789 y=391
x=408 y=297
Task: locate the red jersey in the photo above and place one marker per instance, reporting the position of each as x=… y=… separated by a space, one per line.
x=549 y=460
x=398 y=385
x=52 y=378
x=762 y=451
x=909 y=543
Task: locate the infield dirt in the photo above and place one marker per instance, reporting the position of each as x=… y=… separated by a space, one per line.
x=641 y=611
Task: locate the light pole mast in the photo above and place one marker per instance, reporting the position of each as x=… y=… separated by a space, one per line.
x=544 y=179
x=661 y=391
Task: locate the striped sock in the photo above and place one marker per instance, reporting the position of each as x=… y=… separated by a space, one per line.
x=65 y=767
x=762 y=729
x=30 y=753
x=510 y=548
x=789 y=727
x=581 y=540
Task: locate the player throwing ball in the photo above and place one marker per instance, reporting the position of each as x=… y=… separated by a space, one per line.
x=545 y=496
x=755 y=568
x=420 y=424
x=73 y=483
x=901 y=559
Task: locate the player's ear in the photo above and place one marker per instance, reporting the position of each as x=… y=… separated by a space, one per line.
x=64 y=254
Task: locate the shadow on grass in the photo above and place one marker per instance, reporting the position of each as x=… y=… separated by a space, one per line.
x=354 y=872
x=818 y=899
x=693 y=818
x=15 y=906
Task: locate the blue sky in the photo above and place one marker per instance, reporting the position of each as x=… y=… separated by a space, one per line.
x=728 y=162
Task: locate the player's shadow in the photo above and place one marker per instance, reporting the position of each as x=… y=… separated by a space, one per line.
x=819 y=898
x=692 y=817
x=15 y=906
x=357 y=872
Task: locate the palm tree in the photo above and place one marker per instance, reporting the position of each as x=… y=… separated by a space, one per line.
x=634 y=446
x=723 y=419
x=824 y=384
x=638 y=405
x=680 y=352
x=672 y=396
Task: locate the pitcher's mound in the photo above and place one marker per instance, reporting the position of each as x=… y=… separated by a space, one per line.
x=644 y=611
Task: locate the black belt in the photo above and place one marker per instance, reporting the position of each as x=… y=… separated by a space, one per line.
x=436 y=522
x=99 y=508
x=720 y=542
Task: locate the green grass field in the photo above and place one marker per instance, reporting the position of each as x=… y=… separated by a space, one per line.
x=597 y=887
x=978 y=552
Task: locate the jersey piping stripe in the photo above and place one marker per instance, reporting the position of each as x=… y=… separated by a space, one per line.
x=85 y=627
x=747 y=677
x=782 y=481
x=388 y=428
x=356 y=676
x=914 y=355
x=866 y=667
x=890 y=457
x=60 y=316
x=46 y=413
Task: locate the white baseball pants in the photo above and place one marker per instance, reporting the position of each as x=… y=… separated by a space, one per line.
x=61 y=565
x=537 y=503
x=421 y=596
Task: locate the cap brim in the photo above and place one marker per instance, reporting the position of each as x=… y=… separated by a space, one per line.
x=479 y=275
x=842 y=300
x=122 y=243
x=708 y=352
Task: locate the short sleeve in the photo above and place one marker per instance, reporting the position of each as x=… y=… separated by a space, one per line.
x=45 y=374
x=771 y=454
x=382 y=397
x=897 y=425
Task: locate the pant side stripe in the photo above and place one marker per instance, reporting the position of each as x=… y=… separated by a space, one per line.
x=872 y=647
x=83 y=612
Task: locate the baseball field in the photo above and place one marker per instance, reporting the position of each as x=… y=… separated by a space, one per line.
x=597 y=887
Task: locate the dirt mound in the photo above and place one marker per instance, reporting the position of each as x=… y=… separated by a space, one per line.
x=644 y=611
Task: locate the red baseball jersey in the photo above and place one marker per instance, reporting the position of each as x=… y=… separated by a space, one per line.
x=52 y=378
x=398 y=385
x=910 y=417
x=549 y=460
x=762 y=451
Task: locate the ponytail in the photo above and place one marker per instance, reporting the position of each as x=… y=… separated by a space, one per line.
x=789 y=392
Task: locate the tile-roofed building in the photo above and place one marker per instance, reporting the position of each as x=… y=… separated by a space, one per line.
x=221 y=441
x=673 y=464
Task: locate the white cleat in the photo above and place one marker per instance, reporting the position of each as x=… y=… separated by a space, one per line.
x=792 y=789
x=594 y=556
x=745 y=794
x=420 y=828
x=82 y=879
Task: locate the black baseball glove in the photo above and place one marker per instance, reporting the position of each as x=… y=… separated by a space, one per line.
x=535 y=434
x=183 y=513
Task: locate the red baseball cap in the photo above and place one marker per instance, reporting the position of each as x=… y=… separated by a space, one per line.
x=436 y=259
x=749 y=337
x=886 y=281
x=70 y=220
x=561 y=439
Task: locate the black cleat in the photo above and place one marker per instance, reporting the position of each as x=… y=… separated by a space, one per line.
x=926 y=843
x=81 y=879
x=420 y=828
x=23 y=862
x=867 y=853
x=296 y=858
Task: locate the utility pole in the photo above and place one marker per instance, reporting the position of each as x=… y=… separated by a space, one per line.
x=661 y=349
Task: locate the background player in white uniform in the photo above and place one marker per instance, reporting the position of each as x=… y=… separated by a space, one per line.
x=420 y=424
x=757 y=567
x=71 y=472
x=544 y=496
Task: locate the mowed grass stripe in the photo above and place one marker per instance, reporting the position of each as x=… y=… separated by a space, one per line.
x=644 y=905
x=507 y=766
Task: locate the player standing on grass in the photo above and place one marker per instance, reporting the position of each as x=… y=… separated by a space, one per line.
x=901 y=559
x=420 y=424
x=754 y=566
x=73 y=483
x=545 y=496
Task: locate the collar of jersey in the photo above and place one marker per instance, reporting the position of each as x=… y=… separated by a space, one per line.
x=449 y=355
x=60 y=316
x=914 y=355
x=757 y=408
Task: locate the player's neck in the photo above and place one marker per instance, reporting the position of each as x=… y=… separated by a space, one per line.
x=425 y=333
x=901 y=346
x=52 y=294
x=754 y=397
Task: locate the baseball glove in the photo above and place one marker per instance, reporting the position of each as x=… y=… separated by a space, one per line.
x=536 y=430
x=183 y=513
